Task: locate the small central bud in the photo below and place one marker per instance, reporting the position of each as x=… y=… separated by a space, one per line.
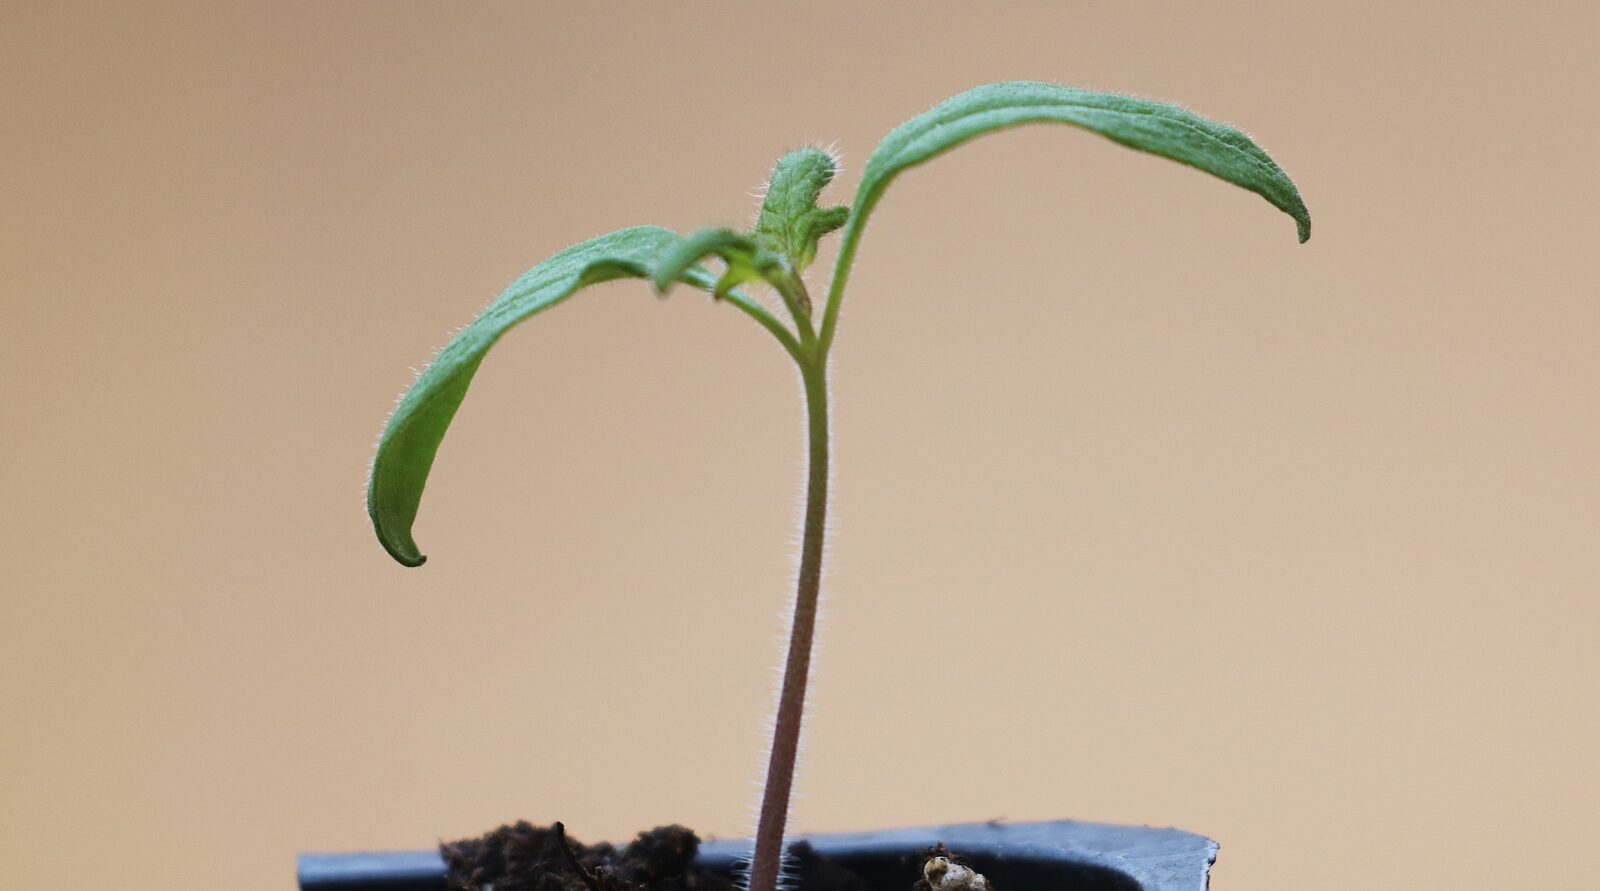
x=791 y=223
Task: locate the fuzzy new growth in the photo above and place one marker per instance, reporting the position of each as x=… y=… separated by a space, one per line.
x=776 y=252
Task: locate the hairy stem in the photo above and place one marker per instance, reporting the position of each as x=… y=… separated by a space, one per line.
x=764 y=865
x=756 y=311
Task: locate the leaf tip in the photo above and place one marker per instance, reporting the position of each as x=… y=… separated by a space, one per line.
x=394 y=534
x=403 y=550
x=1295 y=206
x=407 y=556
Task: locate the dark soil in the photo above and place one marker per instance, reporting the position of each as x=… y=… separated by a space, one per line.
x=524 y=857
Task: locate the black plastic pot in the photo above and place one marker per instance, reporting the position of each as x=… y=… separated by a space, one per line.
x=1056 y=856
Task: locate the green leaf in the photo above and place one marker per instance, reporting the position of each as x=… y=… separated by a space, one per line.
x=411 y=440
x=790 y=222
x=1155 y=127
x=746 y=260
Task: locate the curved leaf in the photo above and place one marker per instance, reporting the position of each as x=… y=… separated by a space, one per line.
x=746 y=260
x=411 y=440
x=1155 y=127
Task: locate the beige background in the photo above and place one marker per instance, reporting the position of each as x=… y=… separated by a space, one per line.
x=1144 y=513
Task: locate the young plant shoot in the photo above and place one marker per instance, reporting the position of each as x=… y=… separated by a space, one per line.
x=776 y=254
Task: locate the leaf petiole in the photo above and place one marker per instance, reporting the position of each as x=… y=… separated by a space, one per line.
x=750 y=307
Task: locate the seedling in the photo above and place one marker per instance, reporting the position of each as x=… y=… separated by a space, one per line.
x=775 y=254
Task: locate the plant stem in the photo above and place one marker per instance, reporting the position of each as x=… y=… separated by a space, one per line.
x=765 y=863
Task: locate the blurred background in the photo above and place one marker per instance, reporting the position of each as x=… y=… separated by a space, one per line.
x=1144 y=513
